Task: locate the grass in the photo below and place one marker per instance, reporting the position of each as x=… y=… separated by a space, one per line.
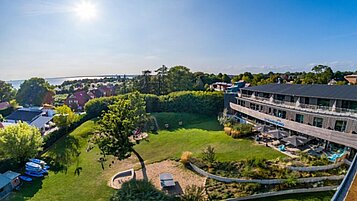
x=65 y=183
x=76 y=174
x=193 y=137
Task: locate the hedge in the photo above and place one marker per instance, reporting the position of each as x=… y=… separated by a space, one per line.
x=199 y=102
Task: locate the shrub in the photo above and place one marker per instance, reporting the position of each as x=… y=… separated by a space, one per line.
x=193 y=193
x=199 y=102
x=209 y=154
x=243 y=130
x=185 y=157
x=134 y=190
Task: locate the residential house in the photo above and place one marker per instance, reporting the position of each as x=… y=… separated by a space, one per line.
x=77 y=100
x=36 y=116
x=352 y=79
x=106 y=91
x=220 y=86
x=4 y=105
x=8 y=181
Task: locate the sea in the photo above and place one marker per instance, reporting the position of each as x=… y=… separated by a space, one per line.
x=59 y=80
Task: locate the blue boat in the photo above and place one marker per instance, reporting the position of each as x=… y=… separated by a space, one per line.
x=25 y=178
x=34 y=174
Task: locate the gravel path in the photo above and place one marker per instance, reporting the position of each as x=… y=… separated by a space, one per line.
x=181 y=175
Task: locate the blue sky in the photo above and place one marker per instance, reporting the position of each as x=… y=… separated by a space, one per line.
x=40 y=38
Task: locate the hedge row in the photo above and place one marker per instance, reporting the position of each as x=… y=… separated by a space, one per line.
x=199 y=102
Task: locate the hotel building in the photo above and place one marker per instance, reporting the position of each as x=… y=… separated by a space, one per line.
x=326 y=112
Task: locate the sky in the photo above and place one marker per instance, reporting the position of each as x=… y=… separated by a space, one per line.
x=49 y=39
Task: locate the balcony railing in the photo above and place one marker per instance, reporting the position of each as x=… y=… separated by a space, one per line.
x=293 y=105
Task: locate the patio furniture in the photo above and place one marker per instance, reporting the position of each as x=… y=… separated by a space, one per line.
x=263 y=128
x=295 y=140
x=166 y=180
x=282 y=148
x=278 y=134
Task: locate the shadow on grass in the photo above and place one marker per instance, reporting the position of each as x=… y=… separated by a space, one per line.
x=26 y=191
x=64 y=154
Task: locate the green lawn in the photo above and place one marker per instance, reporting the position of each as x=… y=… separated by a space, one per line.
x=65 y=184
x=83 y=179
x=193 y=137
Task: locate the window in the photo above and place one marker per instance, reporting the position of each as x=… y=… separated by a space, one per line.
x=281 y=114
x=270 y=110
x=307 y=100
x=323 y=102
x=280 y=97
x=340 y=125
x=318 y=122
x=292 y=99
x=299 y=118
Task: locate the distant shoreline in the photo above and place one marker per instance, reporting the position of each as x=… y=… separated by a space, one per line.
x=59 y=80
x=77 y=76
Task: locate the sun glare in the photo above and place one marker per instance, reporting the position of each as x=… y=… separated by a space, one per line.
x=85 y=10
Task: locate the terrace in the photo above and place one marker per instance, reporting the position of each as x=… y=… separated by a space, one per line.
x=301 y=107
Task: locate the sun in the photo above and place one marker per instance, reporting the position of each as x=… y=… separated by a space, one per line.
x=86 y=10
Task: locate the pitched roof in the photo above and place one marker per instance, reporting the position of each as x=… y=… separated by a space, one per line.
x=81 y=96
x=343 y=92
x=24 y=115
x=4 y=105
x=41 y=121
x=4 y=181
x=11 y=175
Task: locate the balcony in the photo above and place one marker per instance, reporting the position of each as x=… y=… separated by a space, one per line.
x=303 y=107
x=346 y=139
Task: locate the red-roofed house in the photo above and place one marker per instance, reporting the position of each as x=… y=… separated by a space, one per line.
x=4 y=105
x=106 y=90
x=77 y=100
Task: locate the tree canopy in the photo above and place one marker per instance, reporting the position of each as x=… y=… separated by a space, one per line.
x=134 y=190
x=7 y=92
x=64 y=116
x=34 y=92
x=20 y=141
x=118 y=124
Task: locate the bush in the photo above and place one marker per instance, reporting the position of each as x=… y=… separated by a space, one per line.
x=239 y=130
x=198 y=102
x=135 y=190
x=185 y=157
x=193 y=193
x=209 y=154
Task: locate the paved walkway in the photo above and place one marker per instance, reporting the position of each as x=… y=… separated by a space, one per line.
x=352 y=194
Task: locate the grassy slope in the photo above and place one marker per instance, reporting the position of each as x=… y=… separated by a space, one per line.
x=196 y=134
x=92 y=180
x=66 y=185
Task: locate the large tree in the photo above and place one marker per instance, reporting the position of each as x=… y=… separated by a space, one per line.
x=20 y=141
x=34 y=92
x=180 y=79
x=162 y=79
x=65 y=116
x=7 y=92
x=118 y=124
